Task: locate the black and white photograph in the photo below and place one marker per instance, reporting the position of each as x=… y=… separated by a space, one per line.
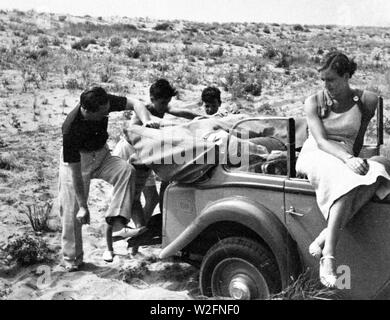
x=207 y=151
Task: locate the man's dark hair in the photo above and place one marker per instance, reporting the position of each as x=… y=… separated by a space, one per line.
x=91 y=99
x=339 y=62
x=211 y=93
x=162 y=89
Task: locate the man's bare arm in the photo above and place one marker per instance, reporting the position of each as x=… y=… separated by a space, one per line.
x=182 y=113
x=78 y=184
x=81 y=197
x=139 y=108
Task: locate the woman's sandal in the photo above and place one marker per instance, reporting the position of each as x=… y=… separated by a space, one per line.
x=328 y=280
x=315 y=250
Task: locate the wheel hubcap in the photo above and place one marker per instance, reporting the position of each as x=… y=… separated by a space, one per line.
x=239 y=288
x=239 y=279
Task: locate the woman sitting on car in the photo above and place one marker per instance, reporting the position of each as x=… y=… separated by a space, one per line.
x=338 y=117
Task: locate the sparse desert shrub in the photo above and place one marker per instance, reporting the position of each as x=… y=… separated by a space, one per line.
x=285 y=61
x=243 y=81
x=107 y=74
x=38 y=215
x=387 y=80
x=43 y=41
x=56 y=42
x=135 y=273
x=218 y=52
x=316 y=59
x=163 y=26
x=386 y=125
x=270 y=52
x=267 y=30
x=15 y=122
x=83 y=43
x=238 y=42
x=72 y=84
x=115 y=42
x=27 y=250
x=19 y=13
x=15 y=19
x=179 y=272
x=137 y=51
x=162 y=67
x=195 y=50
x=298 y=27
x=376 y=54
x=36 y=54
x=266 y=109
x=30 y=76
x=253 y=88
x=8 y=161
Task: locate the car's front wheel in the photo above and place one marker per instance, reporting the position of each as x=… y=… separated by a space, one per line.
x=239 y=268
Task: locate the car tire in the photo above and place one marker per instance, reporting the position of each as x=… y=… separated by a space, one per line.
x=239 y=268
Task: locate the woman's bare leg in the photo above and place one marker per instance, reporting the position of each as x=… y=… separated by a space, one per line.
x=339 y=215
x=317 y=245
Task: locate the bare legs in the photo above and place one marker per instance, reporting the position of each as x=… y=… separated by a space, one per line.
x=151 y=200
x=115 y=224
x=339 y=214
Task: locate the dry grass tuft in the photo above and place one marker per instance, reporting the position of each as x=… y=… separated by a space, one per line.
x=38 y=216
x=305 y=288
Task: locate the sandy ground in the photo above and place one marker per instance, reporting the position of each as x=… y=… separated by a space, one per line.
x=34 y=180
x=31 y=116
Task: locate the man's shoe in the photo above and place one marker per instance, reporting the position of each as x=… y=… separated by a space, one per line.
x=70 y=267
x=127 y=232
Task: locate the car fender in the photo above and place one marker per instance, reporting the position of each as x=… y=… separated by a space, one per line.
x=244 y=211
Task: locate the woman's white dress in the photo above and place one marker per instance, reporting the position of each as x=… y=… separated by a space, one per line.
x=330 y=176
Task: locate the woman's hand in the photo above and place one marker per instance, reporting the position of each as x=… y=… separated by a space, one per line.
x=152 y=124
x=357 y=165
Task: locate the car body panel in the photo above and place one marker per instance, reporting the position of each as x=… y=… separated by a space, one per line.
x=363 y=245
x=279 y=208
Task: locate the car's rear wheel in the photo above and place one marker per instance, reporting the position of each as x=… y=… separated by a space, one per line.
x=239 y=268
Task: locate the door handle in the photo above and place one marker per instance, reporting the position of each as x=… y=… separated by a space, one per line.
x=292 y=212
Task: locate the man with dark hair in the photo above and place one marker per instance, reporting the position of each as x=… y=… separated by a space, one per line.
x=211 y=97
x=161 y=93
x=85 y=156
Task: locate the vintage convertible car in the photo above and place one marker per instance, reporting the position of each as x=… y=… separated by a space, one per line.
x=250 y=225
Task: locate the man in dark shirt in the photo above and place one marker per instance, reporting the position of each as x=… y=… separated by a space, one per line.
x=85 y=156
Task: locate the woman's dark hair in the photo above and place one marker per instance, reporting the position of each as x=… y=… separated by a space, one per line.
x=162 y=89
x=91 y=99
x=211 y=93
x=339 y=62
